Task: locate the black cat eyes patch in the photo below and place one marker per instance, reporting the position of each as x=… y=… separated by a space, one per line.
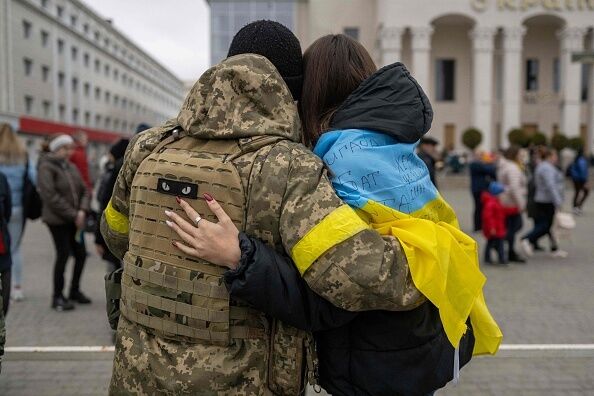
x=177 y=188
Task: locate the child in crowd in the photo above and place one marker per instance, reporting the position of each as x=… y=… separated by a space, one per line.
x=493 y=219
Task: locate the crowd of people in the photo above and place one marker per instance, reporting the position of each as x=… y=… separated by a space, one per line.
x=507 y=185
x=326 y=262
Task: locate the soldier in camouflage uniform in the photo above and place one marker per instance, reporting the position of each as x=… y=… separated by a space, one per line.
x=288 y=201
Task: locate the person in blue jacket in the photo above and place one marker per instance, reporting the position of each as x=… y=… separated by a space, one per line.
x=483 y=171
x=579 y=175
x=373 y=353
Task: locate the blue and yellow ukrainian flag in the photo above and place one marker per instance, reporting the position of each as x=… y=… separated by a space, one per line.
x=389 y=187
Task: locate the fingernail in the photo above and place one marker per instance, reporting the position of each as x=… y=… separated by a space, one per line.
x=174 y=243
x=208 y=197
x=178 y=199
x=167 y=213
x=168 y=223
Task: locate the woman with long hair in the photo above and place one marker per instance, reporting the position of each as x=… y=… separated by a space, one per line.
x=14 y=164
x=364 y=124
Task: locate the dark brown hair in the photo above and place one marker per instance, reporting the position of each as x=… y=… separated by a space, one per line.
x=512 y=152
x=334 y=66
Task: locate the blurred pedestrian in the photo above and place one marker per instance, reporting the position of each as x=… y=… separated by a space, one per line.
x=65 y=202
x=14 y=165
x=494 y=216
x=108 y=179
x=511 y=175
x=548 y=197
x=428 y=153
x=482 y=173
x=578 y=171
x=5 y=256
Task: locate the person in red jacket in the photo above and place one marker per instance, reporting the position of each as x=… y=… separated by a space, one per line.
x=493 y=217
x=79 y=157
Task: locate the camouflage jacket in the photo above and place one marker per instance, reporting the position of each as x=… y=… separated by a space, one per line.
x=294 y=204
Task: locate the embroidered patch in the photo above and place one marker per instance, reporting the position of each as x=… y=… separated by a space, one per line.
x=177 y=188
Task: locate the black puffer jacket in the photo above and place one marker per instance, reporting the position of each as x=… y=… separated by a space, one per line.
x=372 y=353
x=375 y=353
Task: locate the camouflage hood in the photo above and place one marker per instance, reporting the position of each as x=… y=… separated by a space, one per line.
x=243 y=96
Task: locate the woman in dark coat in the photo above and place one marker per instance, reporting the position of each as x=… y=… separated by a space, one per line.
x=5 y=258
x=65 y=203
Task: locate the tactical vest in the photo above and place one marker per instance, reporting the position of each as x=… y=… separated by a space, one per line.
x=175 y=295
x=184 y=298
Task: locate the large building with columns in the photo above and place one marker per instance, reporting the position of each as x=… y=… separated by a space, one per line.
x=490 y=64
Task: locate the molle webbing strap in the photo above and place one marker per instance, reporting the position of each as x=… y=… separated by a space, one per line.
x=174 y=307
x=172 y=282
x=167 y=326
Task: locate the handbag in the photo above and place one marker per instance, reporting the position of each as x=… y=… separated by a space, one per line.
x=32 y=203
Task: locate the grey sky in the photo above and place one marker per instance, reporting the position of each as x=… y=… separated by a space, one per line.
x=174 y=32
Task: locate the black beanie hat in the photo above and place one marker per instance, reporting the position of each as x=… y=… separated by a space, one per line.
x=278 y=44
x=119 y=148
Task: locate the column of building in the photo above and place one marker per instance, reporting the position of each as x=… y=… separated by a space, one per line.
x=482 y=81
x=421 y=55
x=572 y=40
x=513 y=38
x=391 y=44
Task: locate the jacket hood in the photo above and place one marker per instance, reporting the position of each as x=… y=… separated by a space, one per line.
x=243 y=96
x=390 y=101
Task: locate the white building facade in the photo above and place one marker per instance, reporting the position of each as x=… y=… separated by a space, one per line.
x=63 y=68
x=490 y=64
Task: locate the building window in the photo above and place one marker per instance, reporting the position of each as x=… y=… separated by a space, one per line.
x=59 y=11
x=87 y=89
x=352 y=32
x=97 y=93
x=98 y=120
x=73 y=20
x=26 y=29
x=28 y=64
x=75 y=116
x=97 y=35
x=97 y=65
x=44 y=3
x=60 y=79
x=556 y=75
x=116 y=74
x=107 y=123
x=107 y=96
x=60 y=46
x=28 y=104
x=116 y=100
x=47 y=108
x=74 y=53
x=86 y=28
x=445 y=79
x=44 y=38
x=116 y=125
x=106 y=42
x=124 y=103
x=62 y=112
x=585 y=81
x=87 y=118
x=106 y=68
x=45 y=72
x=74 y=84
x=531 y=75
x=86 y=59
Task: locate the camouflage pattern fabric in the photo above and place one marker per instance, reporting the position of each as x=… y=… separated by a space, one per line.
x=288 y=193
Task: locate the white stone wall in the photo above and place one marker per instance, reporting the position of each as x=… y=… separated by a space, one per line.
x=490 y=40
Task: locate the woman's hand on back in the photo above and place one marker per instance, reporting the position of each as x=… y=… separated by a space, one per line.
x=217 y=243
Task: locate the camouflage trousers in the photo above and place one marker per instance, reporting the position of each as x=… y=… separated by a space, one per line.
x=146 y=364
